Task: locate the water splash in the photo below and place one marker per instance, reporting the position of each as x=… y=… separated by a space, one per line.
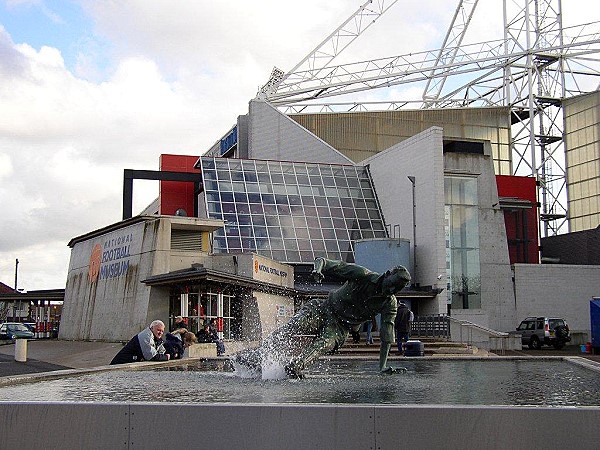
x=262 y=363
x=272 y=369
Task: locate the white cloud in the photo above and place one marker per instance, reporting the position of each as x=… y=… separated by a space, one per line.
x=161 y=77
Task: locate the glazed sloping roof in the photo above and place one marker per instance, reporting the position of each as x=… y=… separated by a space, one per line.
x=290 y=211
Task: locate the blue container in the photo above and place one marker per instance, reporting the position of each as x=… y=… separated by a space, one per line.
x=595 y=321
x=414 y=348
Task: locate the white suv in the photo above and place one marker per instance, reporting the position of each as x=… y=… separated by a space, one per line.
x=538 y=331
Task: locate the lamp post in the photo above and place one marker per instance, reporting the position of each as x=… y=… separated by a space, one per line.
x=414 y=214
x=16 y=286
x=16 y=272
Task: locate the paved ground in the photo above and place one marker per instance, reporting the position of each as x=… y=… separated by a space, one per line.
x=46 y=355
x=571 y=350
x=50 y=354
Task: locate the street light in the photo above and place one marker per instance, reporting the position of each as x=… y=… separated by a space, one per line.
x=414 y=214
x=16 y=287
x=16 y=272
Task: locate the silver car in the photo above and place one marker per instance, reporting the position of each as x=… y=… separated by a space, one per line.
x=538 y=331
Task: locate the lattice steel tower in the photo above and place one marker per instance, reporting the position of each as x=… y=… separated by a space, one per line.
x=532 y=70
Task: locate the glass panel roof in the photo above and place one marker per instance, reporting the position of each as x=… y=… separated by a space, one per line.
x=292 y=212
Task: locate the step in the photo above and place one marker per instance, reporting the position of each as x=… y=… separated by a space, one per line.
x=431 y=348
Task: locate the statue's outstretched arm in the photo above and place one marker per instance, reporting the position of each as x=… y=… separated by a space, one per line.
x=338 y=269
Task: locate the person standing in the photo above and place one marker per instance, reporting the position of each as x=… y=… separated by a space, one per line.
x=404 y=317
x=370 y=331
x=147 y=345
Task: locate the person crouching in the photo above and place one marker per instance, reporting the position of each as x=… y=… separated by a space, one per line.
x=147 y=345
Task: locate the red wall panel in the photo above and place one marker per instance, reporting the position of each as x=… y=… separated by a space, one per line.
x=521 y=225
x=177 y=194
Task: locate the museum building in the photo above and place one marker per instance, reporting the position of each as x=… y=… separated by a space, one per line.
x=272 y=195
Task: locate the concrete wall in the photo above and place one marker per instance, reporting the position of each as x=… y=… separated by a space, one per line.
x=428 y=164
x=273 y=135
x=254 y=426
x=557 y=290
x=582 y=141
x=420 y=156
x=361 y=134
x=267 y=307
x=113 y=306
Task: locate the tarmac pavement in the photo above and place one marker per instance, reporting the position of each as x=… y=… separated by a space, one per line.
x=45 y=355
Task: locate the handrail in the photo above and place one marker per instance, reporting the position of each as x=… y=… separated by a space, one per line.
x=493 y=336
x=490 y=331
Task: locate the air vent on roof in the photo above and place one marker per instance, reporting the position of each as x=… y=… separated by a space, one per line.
x=186 y=240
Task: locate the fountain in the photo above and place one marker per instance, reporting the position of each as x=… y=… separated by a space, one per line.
x=339 y=404
x=342 y=403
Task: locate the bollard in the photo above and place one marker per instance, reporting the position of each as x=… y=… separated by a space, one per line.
x=21 y=350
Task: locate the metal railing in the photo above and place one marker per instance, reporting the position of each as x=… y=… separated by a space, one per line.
x=435 y=326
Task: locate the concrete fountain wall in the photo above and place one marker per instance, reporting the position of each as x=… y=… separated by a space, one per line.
x=130 y=425
x=253 y=426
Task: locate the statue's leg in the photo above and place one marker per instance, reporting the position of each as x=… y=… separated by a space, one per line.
x=329 y=339
x=308 y=321
x=280 y=344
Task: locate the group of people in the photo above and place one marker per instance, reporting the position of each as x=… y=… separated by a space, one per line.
x=402 y=323
x=208 y=333
x=153 y=344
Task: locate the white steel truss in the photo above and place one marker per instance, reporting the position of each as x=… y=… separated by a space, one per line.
x=537 y=65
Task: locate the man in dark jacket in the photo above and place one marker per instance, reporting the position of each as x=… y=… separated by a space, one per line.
x=147 y=345
x=327 y=322
x=205 y=335
x=404 y=317
x=209 y=334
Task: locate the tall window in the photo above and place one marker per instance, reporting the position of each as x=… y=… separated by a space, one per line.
x=462 y=242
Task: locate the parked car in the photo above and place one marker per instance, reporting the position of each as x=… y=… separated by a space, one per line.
x=15 y=330
x=538 y=331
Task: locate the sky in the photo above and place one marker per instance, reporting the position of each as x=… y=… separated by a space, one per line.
x=89 y=88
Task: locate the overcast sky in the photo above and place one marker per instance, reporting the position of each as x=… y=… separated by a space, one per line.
x=89 y=88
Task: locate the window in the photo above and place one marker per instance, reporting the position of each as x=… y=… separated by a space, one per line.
x=303 y=206
x=462 y=242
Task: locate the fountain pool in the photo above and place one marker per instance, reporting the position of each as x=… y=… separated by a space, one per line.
x=443 y=381
x=492 y=403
